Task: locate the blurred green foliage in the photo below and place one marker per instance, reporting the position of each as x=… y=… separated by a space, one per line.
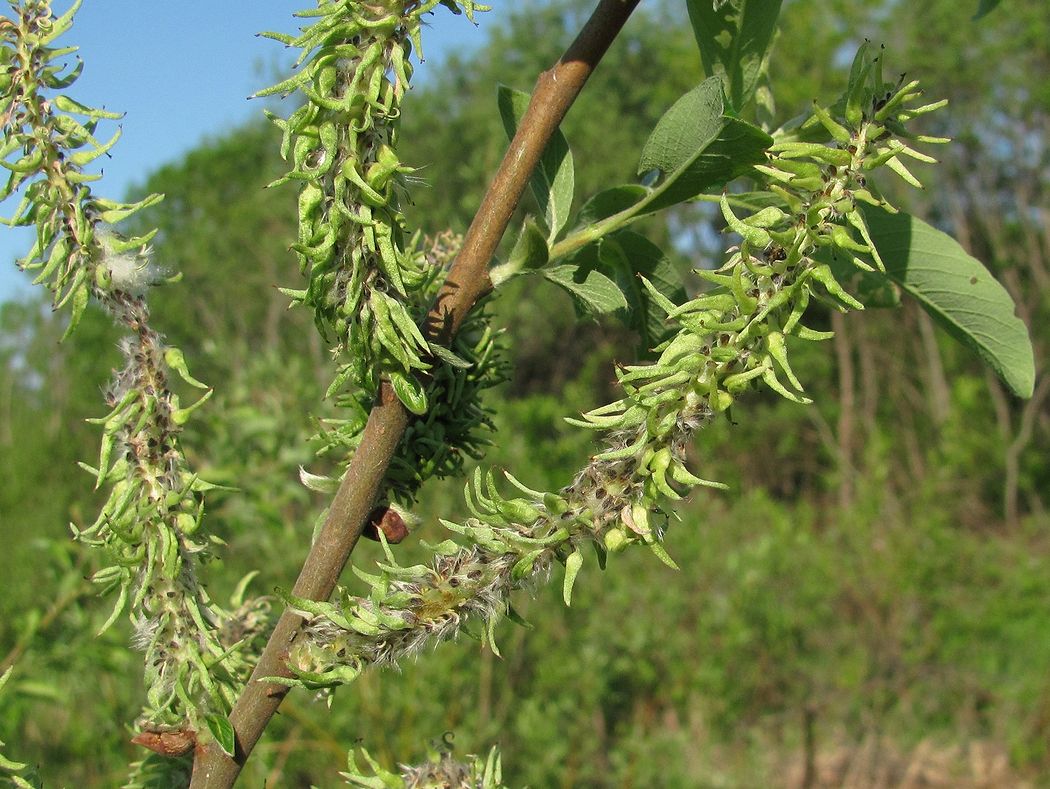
x=875 y=582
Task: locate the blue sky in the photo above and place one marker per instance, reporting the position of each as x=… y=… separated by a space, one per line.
x=182 y=71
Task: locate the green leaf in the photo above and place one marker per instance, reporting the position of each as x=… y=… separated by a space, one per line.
x=985 y=7
x=625 y=255
x=448 y=357
x=593 y=291
x=222 y=730
x=409 y=391
x=553 y=181
x=734 y=38
x=957 y=291
x=692 y=123
x=609 y=202
x=697 y=148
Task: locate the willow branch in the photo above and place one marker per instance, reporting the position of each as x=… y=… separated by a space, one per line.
x=468 y=279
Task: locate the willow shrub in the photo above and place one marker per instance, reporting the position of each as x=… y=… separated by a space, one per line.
x=799 y=198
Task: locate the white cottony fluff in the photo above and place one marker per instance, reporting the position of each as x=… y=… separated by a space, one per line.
x=131 y=273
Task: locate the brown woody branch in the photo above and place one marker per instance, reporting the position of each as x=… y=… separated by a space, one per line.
x=556 y=90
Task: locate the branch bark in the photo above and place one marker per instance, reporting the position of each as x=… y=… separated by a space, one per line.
x=556 y=90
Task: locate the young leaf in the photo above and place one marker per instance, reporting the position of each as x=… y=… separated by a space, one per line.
x=692 y=123
x=593 y=291
x=697 y=148
x=957 y=291
x=222 y=731
x=554 y=180
x=530 y=250
x=409 y=391
x=734 y=39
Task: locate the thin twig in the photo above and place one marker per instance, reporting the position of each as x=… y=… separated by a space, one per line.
x=467 y=281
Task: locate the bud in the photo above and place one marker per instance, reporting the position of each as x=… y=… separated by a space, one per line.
x=387 y=520
x=174 y=743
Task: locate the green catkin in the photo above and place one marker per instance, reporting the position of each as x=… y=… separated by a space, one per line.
x=727 y=342
x=363 y=268
x=436 y=444
x=369 y=282
x=440 y=771
x=151 y=522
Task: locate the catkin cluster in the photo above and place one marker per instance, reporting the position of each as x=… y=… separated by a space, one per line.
x=440 y=770
x=727 y=340
x=369 y=282
x=437 y=443
x=150 y=524
x=361 y=264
